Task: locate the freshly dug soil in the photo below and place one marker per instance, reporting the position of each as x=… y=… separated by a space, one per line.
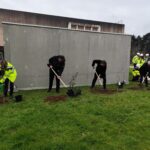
x=107 y=91
x=53 y=99
x=3 y=100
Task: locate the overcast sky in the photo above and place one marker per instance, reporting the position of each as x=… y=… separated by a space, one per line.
x=135 y=14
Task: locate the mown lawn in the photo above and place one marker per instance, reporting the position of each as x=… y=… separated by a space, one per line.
x=90 y=122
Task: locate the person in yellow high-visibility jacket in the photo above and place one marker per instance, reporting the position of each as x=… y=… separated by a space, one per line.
x=136 y=60
x=9 y=76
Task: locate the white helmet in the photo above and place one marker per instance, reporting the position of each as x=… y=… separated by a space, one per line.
x=147 y=54
x=141 y=55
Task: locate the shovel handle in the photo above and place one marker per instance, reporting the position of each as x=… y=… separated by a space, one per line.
x=58 y=77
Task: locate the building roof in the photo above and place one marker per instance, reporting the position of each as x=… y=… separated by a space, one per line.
x=62 y=17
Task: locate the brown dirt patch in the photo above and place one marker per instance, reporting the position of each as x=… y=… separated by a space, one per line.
x=3 y=100
x=106 y=91
x=139 y=87
x=53 y=99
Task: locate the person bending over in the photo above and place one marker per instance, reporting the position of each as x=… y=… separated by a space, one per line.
x=57 y=63
x=101 y=72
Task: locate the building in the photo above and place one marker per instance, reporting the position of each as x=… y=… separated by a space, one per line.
x=55 y=21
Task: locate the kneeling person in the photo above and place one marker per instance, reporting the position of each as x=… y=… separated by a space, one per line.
x=9 y=76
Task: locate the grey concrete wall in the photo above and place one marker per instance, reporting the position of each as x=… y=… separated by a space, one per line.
x=30 y=47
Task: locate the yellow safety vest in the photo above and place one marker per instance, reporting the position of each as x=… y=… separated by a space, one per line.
x=135 y=59
x=10 y=73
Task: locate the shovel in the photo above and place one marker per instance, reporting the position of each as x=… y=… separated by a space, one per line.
x=58 y=77
x=99 y=79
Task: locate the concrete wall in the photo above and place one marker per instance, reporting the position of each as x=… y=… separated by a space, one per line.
x=30 y=47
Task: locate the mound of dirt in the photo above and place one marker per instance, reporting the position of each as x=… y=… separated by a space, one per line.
x=53 y=99
x=3 y=100
x=105 y=91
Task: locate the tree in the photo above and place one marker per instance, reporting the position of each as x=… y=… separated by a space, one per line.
x=140 y=44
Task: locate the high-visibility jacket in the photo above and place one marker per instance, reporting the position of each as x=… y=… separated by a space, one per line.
x=9 y=73
x=135 y=59
x=135 y=73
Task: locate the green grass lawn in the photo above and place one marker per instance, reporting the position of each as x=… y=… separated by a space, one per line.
x=90 y=122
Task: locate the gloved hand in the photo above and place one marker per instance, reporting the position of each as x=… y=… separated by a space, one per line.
x=58 y=77
x=50 y=66
x=137 y=66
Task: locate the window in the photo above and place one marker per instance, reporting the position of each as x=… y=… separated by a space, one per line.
x=80 y=27
x=84 y=27
x=88 y=27
x=95 y=29
x=73 y=26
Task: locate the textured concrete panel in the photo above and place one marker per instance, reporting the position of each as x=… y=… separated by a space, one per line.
x=30 y=47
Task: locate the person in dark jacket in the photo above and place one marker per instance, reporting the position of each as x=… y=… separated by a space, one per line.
x=101 y=72
x=58 y=64
x=144 y=73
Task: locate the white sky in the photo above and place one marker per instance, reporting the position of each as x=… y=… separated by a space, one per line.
x=135 y=14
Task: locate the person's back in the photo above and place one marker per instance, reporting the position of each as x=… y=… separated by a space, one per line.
x=101 y=66
x=58 y=62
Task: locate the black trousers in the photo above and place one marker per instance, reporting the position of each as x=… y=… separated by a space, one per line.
x=51 y=78
x=145 y=80
x=95 y=78
x=6 y=84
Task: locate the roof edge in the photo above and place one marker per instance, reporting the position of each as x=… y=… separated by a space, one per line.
x=3 y=9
